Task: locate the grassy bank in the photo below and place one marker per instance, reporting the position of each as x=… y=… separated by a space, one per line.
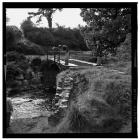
x=103 y=105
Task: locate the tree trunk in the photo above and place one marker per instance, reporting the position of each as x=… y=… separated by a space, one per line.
x=49 y=22
x=99 y=60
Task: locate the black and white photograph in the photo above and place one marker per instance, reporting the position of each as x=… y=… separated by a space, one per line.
x=69 y=71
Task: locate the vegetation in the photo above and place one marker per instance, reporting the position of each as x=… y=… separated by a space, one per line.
x=108 y=26
x=47 y=39
x=17 y=65
x=103 y=104
x=15 y=41
x=99 y=98
x=36 y=63
x=45 y=12
x=13 y=36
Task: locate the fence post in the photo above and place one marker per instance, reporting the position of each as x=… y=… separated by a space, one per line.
x=47 y=54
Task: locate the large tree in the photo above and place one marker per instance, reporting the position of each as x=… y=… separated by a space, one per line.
x=108 y=26
x=45 y=12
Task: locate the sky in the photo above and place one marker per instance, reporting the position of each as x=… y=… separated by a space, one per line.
x=68 y=17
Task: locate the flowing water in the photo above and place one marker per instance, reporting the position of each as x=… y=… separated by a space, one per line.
x=30 y=114
x=27 y=107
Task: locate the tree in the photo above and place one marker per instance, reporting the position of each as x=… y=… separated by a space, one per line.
x=40 y=36
x=106 y=25
x=45 y=12
x=13 y=36
x=27 y=26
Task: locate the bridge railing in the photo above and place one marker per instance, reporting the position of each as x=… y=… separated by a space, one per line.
x=60 y=55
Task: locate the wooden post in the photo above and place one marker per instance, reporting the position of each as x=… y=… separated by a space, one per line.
x=54 y=56
x=5 y=70
x=99 y=58
x=67 y=57
x=47 y=54
x=59 y=56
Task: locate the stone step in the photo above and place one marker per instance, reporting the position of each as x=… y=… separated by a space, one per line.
x=63 y=106
x=64 y=94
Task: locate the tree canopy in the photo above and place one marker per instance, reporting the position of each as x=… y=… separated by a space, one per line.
x=106 y=25
x=45 y=12
x=13 y=36
x=47 y=39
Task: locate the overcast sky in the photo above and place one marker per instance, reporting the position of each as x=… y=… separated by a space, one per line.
x=69 y=17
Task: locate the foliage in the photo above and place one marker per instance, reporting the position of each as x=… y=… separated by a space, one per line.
x=70 y=37
x=15 y=41
x=106 y=25
x=13 y=70
x=17 y=58
x=40 y=36
x=17 y=65
x=45 y=12
x=124 y=51
x=36 y=62
x=60 y=35
x=14 y=56
x=27 y=26
x=49 y=71
x=13 y=36
x=27 y=47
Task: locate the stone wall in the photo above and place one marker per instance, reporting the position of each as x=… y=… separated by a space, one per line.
x=69 y=85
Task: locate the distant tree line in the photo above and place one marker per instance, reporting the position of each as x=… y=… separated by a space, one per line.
x=34 y=40
x=56 y=36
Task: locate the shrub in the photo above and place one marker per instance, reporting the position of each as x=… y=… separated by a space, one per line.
x=13 y=71
x=14 y=56
x=16 y=66
x=49 y=71
x=36 y=62
x=27 y=47
x=14 y=91
x=94 y=60
x=13 y=36
x=124 y=51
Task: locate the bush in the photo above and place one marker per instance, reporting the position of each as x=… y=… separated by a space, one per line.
x=40 y=36
x=14 y=56
x=60 y=35
x=124 y=51
x=36 y=62
x=93 y=60
x=13 y=36
x=29 y=48
x=13 y=70
x=17 y=65
x=14 y=92
x=49 y=71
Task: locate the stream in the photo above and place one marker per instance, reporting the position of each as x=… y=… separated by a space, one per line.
x=28 y=106
x=30 y=114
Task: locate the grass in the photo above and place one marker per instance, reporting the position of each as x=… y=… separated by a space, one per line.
x=110 y=62
x=103 y=105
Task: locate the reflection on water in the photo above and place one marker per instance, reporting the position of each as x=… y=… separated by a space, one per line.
x=28 y=108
